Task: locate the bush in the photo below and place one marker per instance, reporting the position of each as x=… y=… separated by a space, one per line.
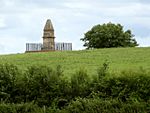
x=41 y=87
x=129 y=86
x=80 y=84
x=43 y=84
x=19 y=108
x=97 y=105
x=8 y=74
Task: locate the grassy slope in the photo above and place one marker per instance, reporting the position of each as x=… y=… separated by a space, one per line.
x=119 y=58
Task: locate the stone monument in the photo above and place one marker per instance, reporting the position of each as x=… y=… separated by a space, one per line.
x=49 y=43
x=48 y=36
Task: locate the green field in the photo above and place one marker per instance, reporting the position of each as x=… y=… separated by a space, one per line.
x=118 y=58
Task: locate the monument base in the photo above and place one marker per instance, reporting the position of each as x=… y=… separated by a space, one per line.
x=39 y=51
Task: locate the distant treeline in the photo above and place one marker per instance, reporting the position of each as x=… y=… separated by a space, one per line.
x=41 y=89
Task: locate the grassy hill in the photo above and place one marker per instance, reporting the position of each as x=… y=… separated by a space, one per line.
x=40 y=89
x=118 y=58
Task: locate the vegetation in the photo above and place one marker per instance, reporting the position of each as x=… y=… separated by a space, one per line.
x=107 y=36
x=76 y=82
x=119 y=59
x=41 y=89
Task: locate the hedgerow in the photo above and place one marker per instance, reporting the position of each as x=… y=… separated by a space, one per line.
x=43 y=89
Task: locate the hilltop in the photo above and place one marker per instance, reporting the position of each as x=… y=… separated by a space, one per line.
x=118 y=58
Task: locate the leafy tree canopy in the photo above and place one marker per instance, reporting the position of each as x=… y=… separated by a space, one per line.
x=107 y=36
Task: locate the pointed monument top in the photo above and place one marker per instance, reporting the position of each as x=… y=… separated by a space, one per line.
x=48 y=25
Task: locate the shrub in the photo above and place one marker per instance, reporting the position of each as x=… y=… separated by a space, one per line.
x=97 y=105
x=128 y=86
x=46 y=87
x=80 y=84
x=19 y=108
x=43 y=84
x=8 y=74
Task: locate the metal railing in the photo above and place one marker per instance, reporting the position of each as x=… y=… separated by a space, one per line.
x=63 y=46
x=33 y=46
x=39 y=47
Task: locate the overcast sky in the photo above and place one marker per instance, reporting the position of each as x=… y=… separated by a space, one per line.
x=22 y=21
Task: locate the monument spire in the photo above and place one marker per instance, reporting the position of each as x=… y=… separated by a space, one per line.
x=48 y=36
x=48 y=25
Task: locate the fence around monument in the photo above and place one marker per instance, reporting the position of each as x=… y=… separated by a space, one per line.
x=33 y=46
x=63 y=46
x=39 y=47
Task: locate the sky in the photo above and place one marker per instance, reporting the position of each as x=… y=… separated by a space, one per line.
x=22 y=21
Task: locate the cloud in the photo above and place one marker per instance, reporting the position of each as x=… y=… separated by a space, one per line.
x=145 y=1
x=23 y=21
x=12 y=44
x=143 y=42
x=2 y=23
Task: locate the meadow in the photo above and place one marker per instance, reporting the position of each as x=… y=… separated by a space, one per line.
x=118 y=58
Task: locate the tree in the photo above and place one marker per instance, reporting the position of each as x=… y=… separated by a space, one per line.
x=107 y=36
